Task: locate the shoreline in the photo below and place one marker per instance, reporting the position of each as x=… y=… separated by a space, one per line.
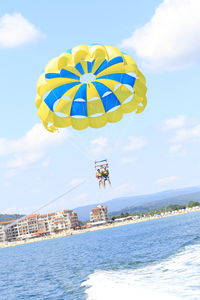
x=101 y=227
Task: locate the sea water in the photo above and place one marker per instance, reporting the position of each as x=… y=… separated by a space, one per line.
x=158 y=259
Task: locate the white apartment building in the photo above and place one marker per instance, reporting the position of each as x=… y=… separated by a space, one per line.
x=37 y=225
x=2 y=230
x=99 y=214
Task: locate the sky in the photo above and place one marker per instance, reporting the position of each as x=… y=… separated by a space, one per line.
x=149 y=152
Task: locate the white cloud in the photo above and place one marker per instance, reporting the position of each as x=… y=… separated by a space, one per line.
x=25 y=160
x=30 y=148
x=128 y=159
x=78 y=199
x=11 y=210
x=167 y=180
x=177 y=149
x=11 y=173
x=46 y=162
x=183 y=131
x=70 y=202
x=15 y=30
x=76 y=181
x=174 y=123
x=35 y=139
x=187 y=134
x=124 y=188
x=99 y=146
x=135 y=142
x=171 y=39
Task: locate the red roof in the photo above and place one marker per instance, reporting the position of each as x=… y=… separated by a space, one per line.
x=41 y=232
x=32 y=216
x=99 y=208
x=7 y=222
x=44 y=215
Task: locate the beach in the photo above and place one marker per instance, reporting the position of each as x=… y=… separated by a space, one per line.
x=100 y=227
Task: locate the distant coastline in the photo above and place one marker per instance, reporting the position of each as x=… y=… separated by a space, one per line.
x=101 y=227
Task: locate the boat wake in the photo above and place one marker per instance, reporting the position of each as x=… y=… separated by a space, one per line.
x=177 y=277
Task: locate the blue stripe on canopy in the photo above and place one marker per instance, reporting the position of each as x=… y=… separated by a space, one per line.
x=90 y=65
x=109 y=63
x=115 y=60
x=108 y=101
x=101 y=88
x=63 y=73
x=79 y=108
x=52 y=75
x=103 y=66
x=68 y=74
x=57 y=93
x=81 y=93
x=127 y=79
x=79 y=68
x=121 y=77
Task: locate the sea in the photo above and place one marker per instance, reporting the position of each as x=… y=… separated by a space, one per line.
x=157 y=259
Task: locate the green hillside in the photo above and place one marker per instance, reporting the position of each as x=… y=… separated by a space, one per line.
x=6 y=217
x=158 y=204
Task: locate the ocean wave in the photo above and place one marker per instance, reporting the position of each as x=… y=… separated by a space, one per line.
x=177 y=277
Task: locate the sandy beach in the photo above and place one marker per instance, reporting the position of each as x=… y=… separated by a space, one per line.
x=101 y=227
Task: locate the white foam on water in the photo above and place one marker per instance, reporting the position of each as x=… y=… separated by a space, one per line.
x=175 y=278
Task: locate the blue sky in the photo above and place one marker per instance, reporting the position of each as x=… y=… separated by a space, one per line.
x=149 y=152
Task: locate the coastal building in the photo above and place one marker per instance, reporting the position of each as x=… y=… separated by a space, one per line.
x=124 y=219
x=38 y=225
x=21 y=229
x=46 y=223
x=64 y=220
x=2 y=234
x=99 y=214
x=2 y=230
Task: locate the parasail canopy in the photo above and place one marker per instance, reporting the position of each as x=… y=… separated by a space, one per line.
x=89 y=86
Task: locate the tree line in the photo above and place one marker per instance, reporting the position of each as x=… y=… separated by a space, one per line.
x=169 y=208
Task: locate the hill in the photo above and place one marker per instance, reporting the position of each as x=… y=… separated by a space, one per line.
x=143 y=202
x=6 y=217
x=178 y=200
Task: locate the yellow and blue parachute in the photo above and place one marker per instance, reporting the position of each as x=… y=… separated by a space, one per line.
x=89 y=86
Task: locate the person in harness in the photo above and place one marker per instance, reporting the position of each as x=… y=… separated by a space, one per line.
x=105 y=176
x=99 y=177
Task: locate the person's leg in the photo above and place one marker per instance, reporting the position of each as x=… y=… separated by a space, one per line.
x=104 y=182
x=101 y=183
x=106 y=179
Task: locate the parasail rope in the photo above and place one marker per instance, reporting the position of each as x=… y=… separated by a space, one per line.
x=51 y=201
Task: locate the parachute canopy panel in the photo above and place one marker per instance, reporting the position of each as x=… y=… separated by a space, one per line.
x=89 y=86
